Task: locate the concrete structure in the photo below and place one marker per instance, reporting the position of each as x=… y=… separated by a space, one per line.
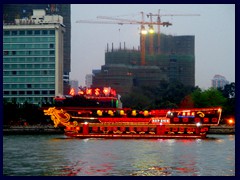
x=19 y=11
x=123 y=69
x=33 y=58
x=219 y=81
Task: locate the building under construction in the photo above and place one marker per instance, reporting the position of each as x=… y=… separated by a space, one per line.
x=174 y=60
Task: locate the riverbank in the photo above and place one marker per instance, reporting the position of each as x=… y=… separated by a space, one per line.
x=49 y=129
x=222 y=129
x=35 y=129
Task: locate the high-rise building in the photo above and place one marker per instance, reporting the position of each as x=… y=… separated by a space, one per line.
x=219 y=81
x=88 y=80
x=123 y=69
x=18 y=11
x=33 y=58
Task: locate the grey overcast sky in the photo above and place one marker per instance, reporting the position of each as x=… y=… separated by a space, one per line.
x=214 y=32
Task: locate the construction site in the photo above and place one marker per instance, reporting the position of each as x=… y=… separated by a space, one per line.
x=159 y=58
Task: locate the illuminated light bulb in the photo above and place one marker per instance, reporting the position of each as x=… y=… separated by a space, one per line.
x=151 y=30
x=99 y=112
x=198 y=124
x=122 y=112
x=134 y=113
x=145 y=113
x=110 y=112
x=143 y=30
x=230 y=121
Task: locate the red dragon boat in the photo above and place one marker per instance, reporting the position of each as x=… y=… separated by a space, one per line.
x=97 y=113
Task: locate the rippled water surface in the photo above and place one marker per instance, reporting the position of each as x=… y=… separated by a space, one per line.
x=57 y=155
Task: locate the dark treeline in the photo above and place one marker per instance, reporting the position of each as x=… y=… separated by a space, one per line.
x=21 y=114
x=164 y=96
x=177 y=95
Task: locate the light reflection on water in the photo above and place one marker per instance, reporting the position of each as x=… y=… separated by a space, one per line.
x=57 y=155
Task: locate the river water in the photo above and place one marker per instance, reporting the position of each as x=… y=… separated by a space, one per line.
x=58 y=155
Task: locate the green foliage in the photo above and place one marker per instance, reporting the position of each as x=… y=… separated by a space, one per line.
x=229 y=93
x=136 y=100
x=208 y=98
x=176 y=95
x=166 y=95
x=224 y=98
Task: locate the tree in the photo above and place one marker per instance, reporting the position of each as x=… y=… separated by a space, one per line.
x=10 y=112
x=165 y=95
x=136 y=101
x=229 y=93
x=208 y=98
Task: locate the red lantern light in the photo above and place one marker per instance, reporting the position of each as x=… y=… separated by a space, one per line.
x=113 y=92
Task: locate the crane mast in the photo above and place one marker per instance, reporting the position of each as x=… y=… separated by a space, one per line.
x=151 y=31
x=142 y=41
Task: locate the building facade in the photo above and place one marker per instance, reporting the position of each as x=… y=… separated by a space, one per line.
x=88 y=80
x=219 y=81
x=19 y=11
x=123 y=69
x=33 y=58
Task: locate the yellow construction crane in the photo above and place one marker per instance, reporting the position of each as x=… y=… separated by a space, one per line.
x=121 y=21
x=143 y=31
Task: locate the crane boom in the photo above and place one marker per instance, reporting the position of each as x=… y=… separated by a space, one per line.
x=100 y=22
x=129 y=21
x=123 y=22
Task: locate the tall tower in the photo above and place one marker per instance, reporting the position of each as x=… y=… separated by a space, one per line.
x=16 y=11
x=33 y=58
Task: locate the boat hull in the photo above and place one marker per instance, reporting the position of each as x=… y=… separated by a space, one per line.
x=136 y=136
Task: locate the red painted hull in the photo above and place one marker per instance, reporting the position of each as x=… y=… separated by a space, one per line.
x=136 y=136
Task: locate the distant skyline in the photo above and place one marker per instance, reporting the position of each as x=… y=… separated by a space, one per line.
x=214 y=32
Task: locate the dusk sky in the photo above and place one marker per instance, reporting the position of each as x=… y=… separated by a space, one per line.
x=214 y=32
